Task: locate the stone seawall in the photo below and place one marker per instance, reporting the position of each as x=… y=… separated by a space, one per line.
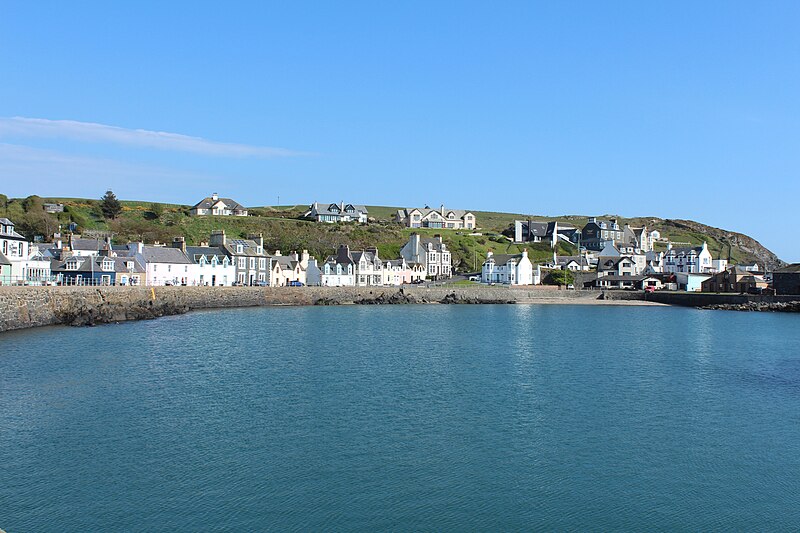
x=26 y=307
x=704 y=299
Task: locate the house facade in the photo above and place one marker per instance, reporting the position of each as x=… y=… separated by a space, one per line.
x=441 y=218
x=289 y=269
x=340 y=212
x=213 y=266
x=693 y=260
x=786 y=280
x=15 y=250
x=734 y=279
x=509 y=269
x=252 y=264
x=336 y=271
x=431 y=253
x=214 y=205
x=86 y=270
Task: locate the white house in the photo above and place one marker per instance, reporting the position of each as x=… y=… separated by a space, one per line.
x=214 y=205
x=509 y=269
x=212 y=265
x=337 y=270
x=694 y=260
x=16 y=251
x=340 y=212
x=431 y=253
x=165 y=266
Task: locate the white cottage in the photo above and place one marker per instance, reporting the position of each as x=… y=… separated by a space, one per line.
x=509 y=269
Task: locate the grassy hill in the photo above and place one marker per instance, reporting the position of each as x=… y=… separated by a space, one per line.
x=282 y=230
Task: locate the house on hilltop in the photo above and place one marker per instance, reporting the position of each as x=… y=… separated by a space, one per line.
x=340 y=212
x=441 y=218
x=214 y=205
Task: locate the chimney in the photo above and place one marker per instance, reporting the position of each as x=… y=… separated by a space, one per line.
x=277 y=253
x=304 y=258
x=258 y=237
x=204 y=244
x=438 y=239
x=415 y=242
x=441 y=209
x=179 y=243
x=218 y=238
x=214 y=197
x=294 y=256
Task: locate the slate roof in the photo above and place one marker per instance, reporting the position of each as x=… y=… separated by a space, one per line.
x=162 y=254
x=502 y=259
x=208 y=202
x=459 y=213
x=318 y=208
x=93 y=245
x=249 y=248
x=13 y=235
x=4 y=260
x=369 y=257
x=195 y=253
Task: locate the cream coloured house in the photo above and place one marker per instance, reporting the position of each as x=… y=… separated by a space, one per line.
x=441 y=218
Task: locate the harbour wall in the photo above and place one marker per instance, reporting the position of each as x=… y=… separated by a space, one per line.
x=26 y=307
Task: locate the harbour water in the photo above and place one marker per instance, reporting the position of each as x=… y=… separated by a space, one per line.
x=440 y=418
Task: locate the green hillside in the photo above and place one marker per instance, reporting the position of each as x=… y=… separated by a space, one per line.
x=283 y=230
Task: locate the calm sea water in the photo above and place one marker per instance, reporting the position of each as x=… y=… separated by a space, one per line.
x=436 y=418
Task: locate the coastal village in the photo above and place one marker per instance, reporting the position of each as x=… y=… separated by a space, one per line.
x=610 y=256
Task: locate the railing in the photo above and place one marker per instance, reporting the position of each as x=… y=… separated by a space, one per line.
x=27 y=280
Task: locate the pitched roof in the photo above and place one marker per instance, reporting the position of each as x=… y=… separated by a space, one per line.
x=208 y=203
x=459 y=213
x=93 y=245
x=4 y=260
x=325 y=209
x=162 y=254
x=195 y=253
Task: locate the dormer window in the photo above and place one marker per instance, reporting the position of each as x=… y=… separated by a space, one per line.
x=129 y=265
x=239 y=249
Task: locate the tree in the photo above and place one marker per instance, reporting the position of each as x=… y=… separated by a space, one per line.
x=110 y=205
x=560 y=277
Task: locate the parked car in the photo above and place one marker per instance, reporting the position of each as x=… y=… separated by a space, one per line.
x=238 y=284
x=474 y=278
x=260 y=284
x=295 y=284
x=649 y=289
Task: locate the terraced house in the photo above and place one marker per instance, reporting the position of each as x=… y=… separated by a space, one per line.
x=252 y=264
x=441 y=218
x=431 y=253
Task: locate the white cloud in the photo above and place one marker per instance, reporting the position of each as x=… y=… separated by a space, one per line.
x=25 y=170
x=92 y=132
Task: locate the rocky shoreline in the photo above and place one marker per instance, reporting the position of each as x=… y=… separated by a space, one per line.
x=775 y=307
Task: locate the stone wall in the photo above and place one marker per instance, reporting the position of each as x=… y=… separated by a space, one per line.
x=25 y=307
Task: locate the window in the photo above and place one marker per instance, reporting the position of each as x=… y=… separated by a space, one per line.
x=242 y=262
x=262 y=263
x=252 y=263
x=239 y=249
x=129 y=265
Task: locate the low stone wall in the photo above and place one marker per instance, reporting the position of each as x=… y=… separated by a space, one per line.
x=25 y=307
x=705 y=299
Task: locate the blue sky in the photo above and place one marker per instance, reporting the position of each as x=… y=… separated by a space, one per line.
x=671 y=109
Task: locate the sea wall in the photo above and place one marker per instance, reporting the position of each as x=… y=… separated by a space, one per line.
x=26 y=307
x=705 y=299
